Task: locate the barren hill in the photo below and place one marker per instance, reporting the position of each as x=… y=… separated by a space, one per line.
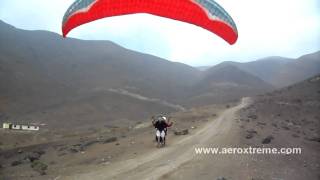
x=47 y=79
x=221 y=84
x=280 y=71
x=286 y=118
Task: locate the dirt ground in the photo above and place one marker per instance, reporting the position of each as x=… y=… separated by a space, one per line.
x=82 y=150
x=133 y=154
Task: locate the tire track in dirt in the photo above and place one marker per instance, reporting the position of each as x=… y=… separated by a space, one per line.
x=165 y=160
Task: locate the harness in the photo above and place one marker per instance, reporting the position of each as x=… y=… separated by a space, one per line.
x=160 y=125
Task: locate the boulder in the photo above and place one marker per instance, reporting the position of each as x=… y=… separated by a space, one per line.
x=33 y=156
x=16 y=163
x=315 y=139
x=74 y=150
x=110 y=140
x=221 y=178
x=40 y=152
x=252 y=116
x=182 y=132
x=267 y=140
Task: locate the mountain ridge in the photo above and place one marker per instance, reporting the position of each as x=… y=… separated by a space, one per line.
x=47 y=78
x=281 y=71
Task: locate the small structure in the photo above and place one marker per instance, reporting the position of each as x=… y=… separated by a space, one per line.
x=30 y=127
x=20 y=126
x=7 y=125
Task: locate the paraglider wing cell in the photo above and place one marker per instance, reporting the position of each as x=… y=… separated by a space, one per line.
x=204 y=13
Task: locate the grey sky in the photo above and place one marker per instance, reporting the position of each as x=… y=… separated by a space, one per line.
x=287 y=28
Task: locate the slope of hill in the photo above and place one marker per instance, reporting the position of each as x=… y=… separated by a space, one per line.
x=281 y=72
x=41 y=71
x=226 y=83
x=286 y=118
x=48 y=79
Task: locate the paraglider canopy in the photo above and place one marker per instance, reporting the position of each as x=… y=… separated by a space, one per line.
x=204 y=13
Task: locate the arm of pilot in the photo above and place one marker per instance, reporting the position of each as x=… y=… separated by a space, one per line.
x=169 y=124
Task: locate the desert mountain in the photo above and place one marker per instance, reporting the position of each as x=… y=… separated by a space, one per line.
x=226 y=83
x=279 y=71
x=43 y=74
x=99 y=96
x=48 y=78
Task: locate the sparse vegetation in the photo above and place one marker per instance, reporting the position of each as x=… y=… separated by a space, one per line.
x=40 y=167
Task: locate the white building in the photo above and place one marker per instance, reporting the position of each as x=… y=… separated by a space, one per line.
x=30 y=127
x=20 y=126
x=7 y=125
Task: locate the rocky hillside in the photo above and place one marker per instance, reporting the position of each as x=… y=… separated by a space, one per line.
x=286 y=118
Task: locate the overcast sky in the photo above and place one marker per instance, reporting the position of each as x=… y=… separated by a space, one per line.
x=287 y=28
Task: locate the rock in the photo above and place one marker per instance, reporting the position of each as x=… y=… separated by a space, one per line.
x=89 y=143
x=315 y=139
x=274 y=125
x=267 y=140
x=250 y=133
x=74 y=150
x=33 y=156
x=295 y=135
x=261 y=124
x=82 y=146
x=39 y=167
x=249 y=136
x=252 y=116
x=16 y=163
x=110 y=140
x=62 y=148
x=40 y=152
x=285 y=128
x=183 y=132
x=221 y=178
x=106 y=163
x=20 y=151
x=62 y=154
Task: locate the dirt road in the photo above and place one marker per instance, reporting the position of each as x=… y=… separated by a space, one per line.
x=161 y=162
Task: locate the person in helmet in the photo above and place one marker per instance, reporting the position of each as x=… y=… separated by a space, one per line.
x=161 y=123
